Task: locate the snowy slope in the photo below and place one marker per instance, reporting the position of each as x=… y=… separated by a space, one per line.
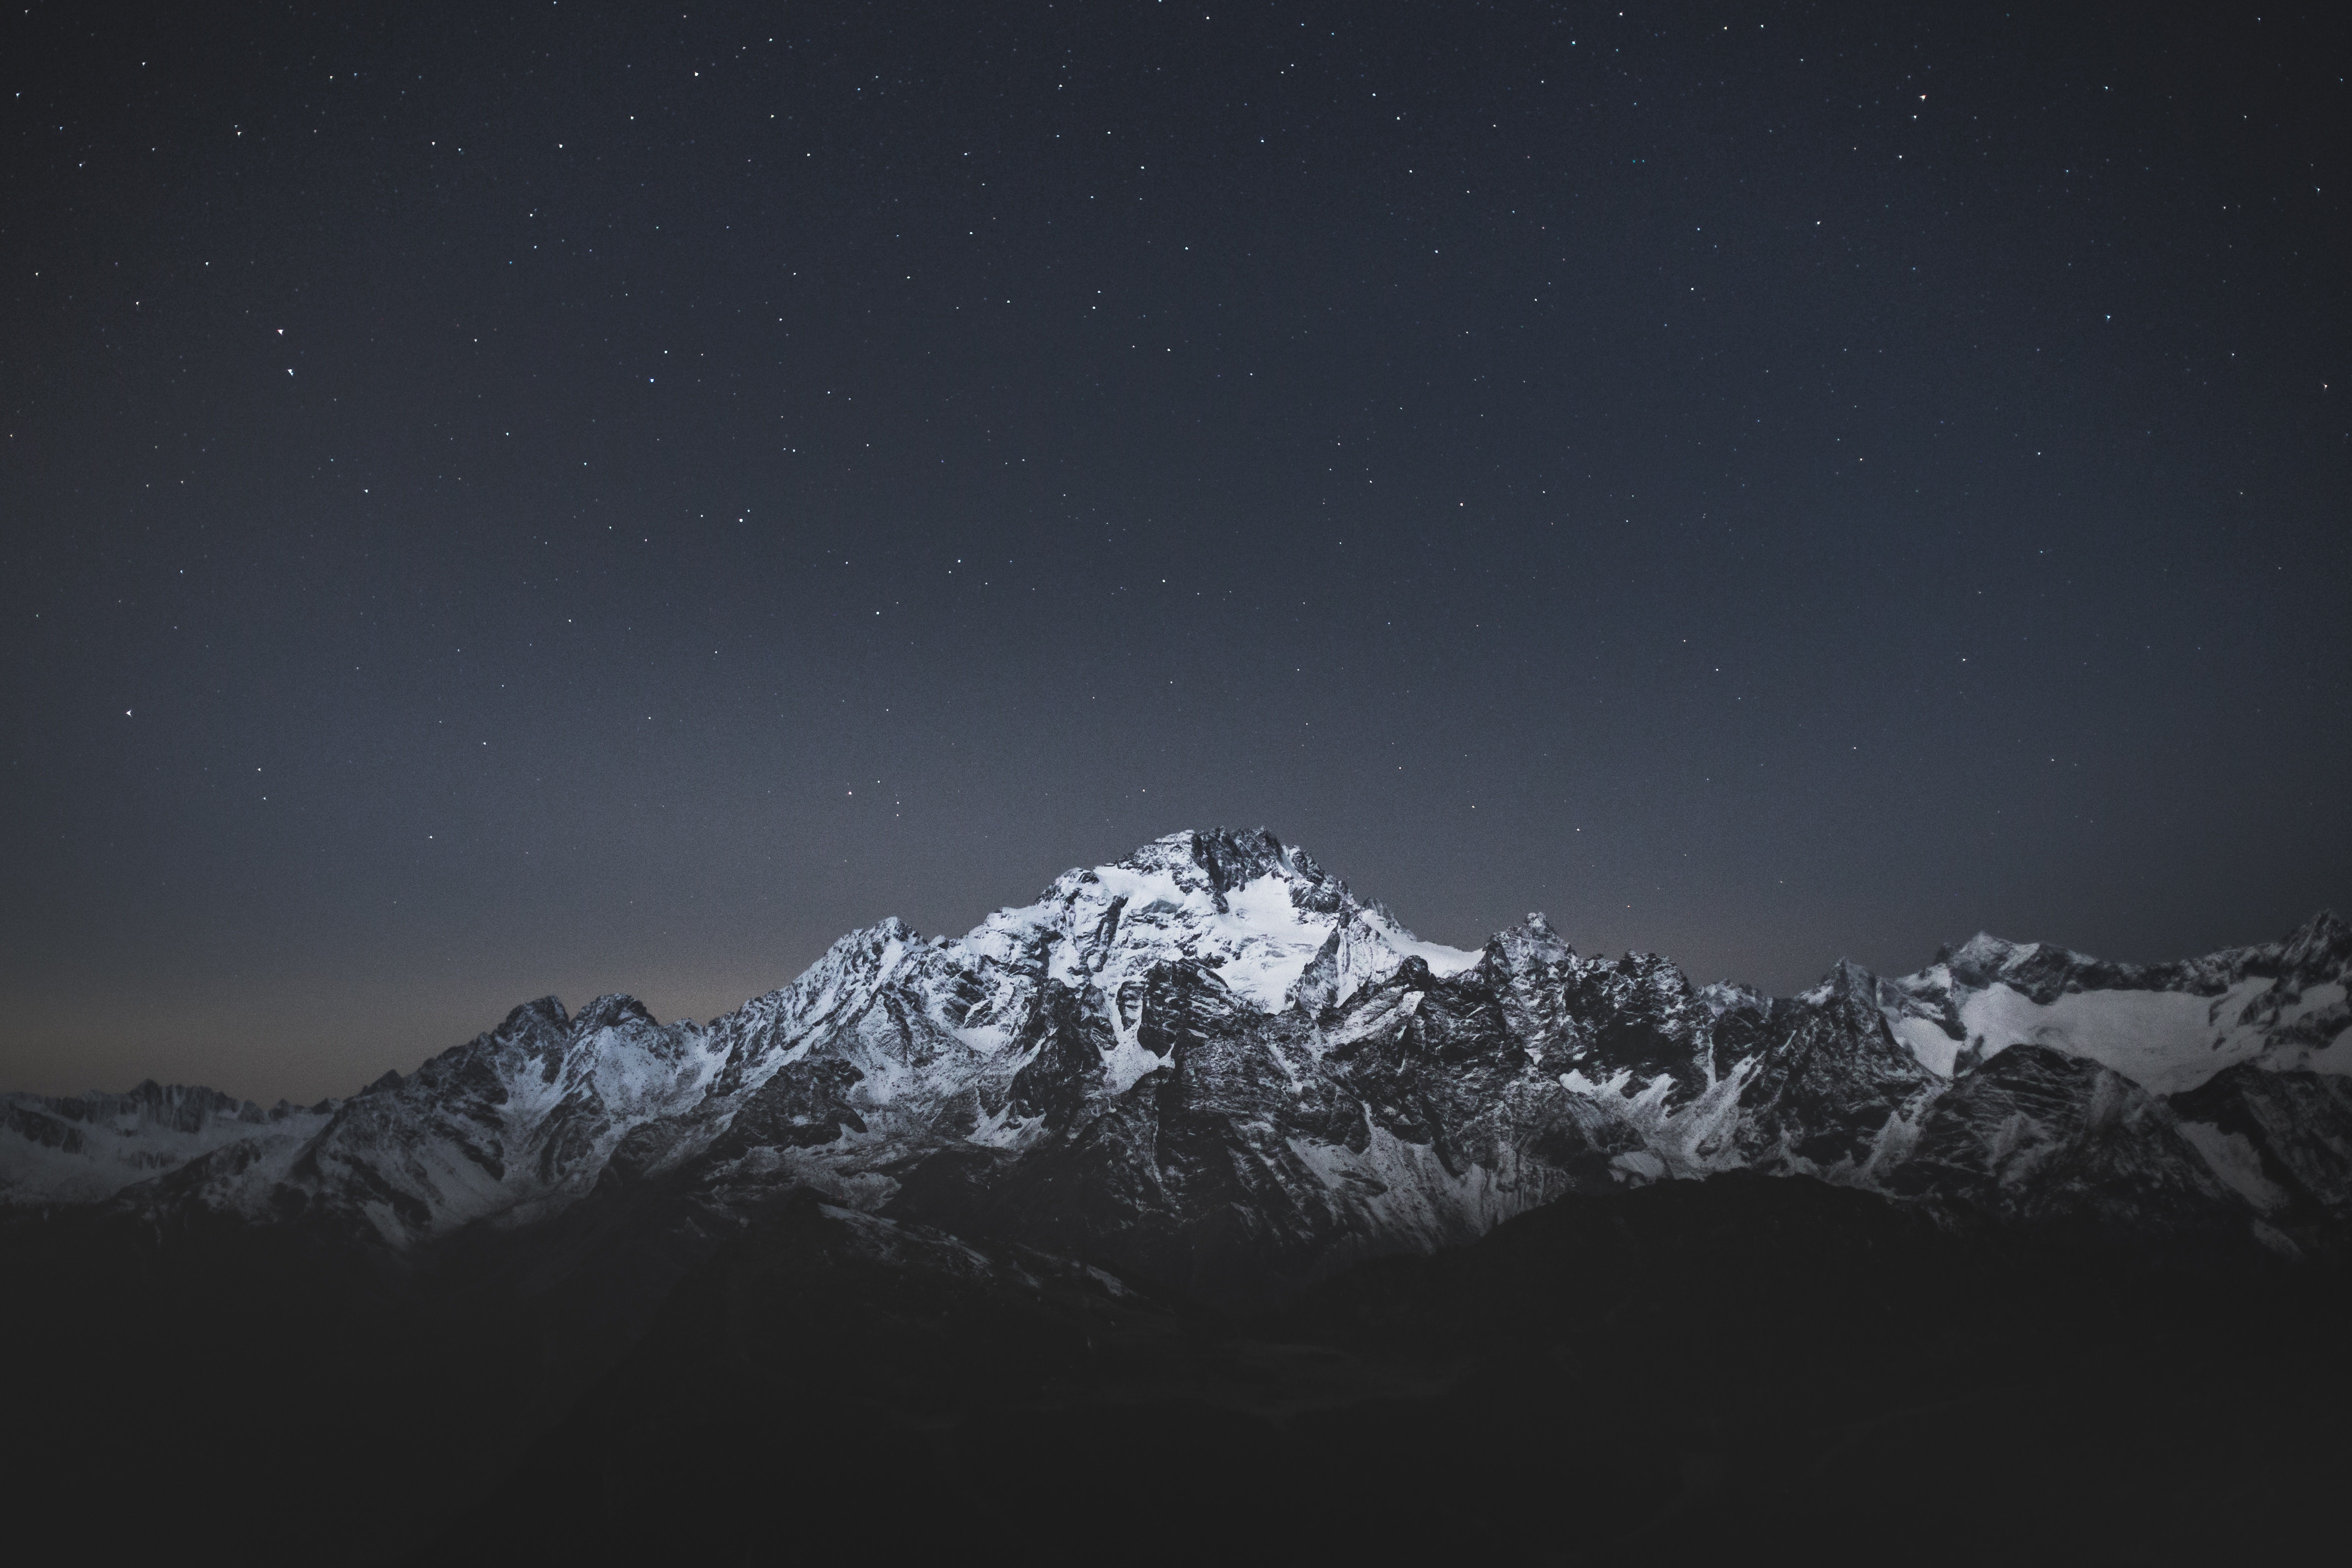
x=2168 y=1028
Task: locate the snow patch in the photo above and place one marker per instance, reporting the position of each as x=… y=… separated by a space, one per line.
x=2314 y=998
x=1125 y=1064
x=1638 y=1164
x=1576 y=1082
x=2335 y=1056
x=1928 y=1041
x=2234 y=1158
x=2166 y=1041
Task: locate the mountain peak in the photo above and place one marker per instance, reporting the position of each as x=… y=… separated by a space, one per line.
x=609 y=1011
x=1258 y=911
x=1224 y=860
x=2320 y=948
x=1235 y=860
x=543 y=1012
x=1846 y=980
x=1531 y=944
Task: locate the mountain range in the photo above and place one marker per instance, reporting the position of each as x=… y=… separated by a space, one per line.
x=1201 y=1154
x=1212 y=1066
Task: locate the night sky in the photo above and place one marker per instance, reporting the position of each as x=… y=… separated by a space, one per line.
x=574 y=497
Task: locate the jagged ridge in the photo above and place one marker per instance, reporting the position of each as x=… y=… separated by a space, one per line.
x=1211 y=1064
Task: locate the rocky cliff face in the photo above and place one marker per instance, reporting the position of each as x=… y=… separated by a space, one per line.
x=1212 y=1066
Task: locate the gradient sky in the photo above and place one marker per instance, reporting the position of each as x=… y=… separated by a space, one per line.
x=574 y=497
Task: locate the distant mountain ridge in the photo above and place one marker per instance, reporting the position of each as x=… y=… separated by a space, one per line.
x=1211 y=1065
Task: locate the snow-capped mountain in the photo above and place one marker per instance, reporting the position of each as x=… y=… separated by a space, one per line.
x=87 y=1147
x=1210 y=1064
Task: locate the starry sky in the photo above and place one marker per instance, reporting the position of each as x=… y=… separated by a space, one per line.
x=574 y=497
